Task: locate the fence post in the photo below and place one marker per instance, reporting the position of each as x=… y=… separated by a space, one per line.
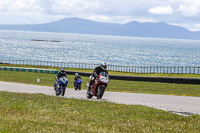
x=164 y=69
x=174 y=70
x=178 y=69
x=138 y=69
x=135 y=69
x=150 y=69
x=182 y=69
x=160 y=69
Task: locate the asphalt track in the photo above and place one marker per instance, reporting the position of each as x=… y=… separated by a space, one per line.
x=183 y=105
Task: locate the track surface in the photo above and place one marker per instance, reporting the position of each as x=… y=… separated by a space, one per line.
x=183 y=105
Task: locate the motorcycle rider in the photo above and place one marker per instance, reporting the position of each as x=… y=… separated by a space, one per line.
x=96 y=72
x=60 y=74
x=77 y=76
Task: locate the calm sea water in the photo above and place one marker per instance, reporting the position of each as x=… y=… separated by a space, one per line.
x=115 y=50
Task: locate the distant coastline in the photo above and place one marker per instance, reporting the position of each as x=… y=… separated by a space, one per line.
x=132 y=29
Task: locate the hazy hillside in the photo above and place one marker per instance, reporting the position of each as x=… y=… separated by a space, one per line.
x=136 y=29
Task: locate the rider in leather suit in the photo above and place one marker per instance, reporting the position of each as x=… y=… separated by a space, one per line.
x=96 y=72
x=60 y=74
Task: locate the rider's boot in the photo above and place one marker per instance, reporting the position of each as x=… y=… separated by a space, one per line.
x=55 y=86
x=88 y=86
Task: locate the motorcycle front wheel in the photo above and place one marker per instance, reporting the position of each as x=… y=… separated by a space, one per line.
x=57 y=93
x=63 y=90
x=89 y=96
x=79 y=87
x=100 y=92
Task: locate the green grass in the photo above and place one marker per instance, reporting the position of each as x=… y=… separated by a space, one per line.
x=114 y=85
x=42 y=113
x=110 y=72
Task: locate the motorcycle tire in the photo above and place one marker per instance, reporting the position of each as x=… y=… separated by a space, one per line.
x=79 y=87
x=63 y=91
x=100 y=92
x=89 y=96
x=57 y=94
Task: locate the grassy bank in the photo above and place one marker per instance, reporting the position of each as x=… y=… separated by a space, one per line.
x=114 y=85
x=41 y=113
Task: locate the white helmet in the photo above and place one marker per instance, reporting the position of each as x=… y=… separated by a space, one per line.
x=103 y=65
x=76 y=74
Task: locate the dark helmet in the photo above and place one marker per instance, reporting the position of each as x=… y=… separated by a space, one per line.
x=103 y=65
x=62 y=70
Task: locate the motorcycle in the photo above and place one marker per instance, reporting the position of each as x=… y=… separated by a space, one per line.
x=78 y=83
x=61 y=87
x=99 y=86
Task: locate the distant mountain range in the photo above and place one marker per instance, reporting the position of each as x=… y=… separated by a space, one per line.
x=135 y=29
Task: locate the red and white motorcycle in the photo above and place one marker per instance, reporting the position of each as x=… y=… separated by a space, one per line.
x=99 y=86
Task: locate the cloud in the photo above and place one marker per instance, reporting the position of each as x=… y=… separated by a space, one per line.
x=74 y=7
x=68 y=6
x=161 y=10
x=27 y=18
x=196 y=27
x=20 y=5
x=192 y=9
x=187 y=8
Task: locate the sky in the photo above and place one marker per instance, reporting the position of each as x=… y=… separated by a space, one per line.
x=184 y=13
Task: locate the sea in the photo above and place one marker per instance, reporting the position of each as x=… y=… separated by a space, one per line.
x=84 y=48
